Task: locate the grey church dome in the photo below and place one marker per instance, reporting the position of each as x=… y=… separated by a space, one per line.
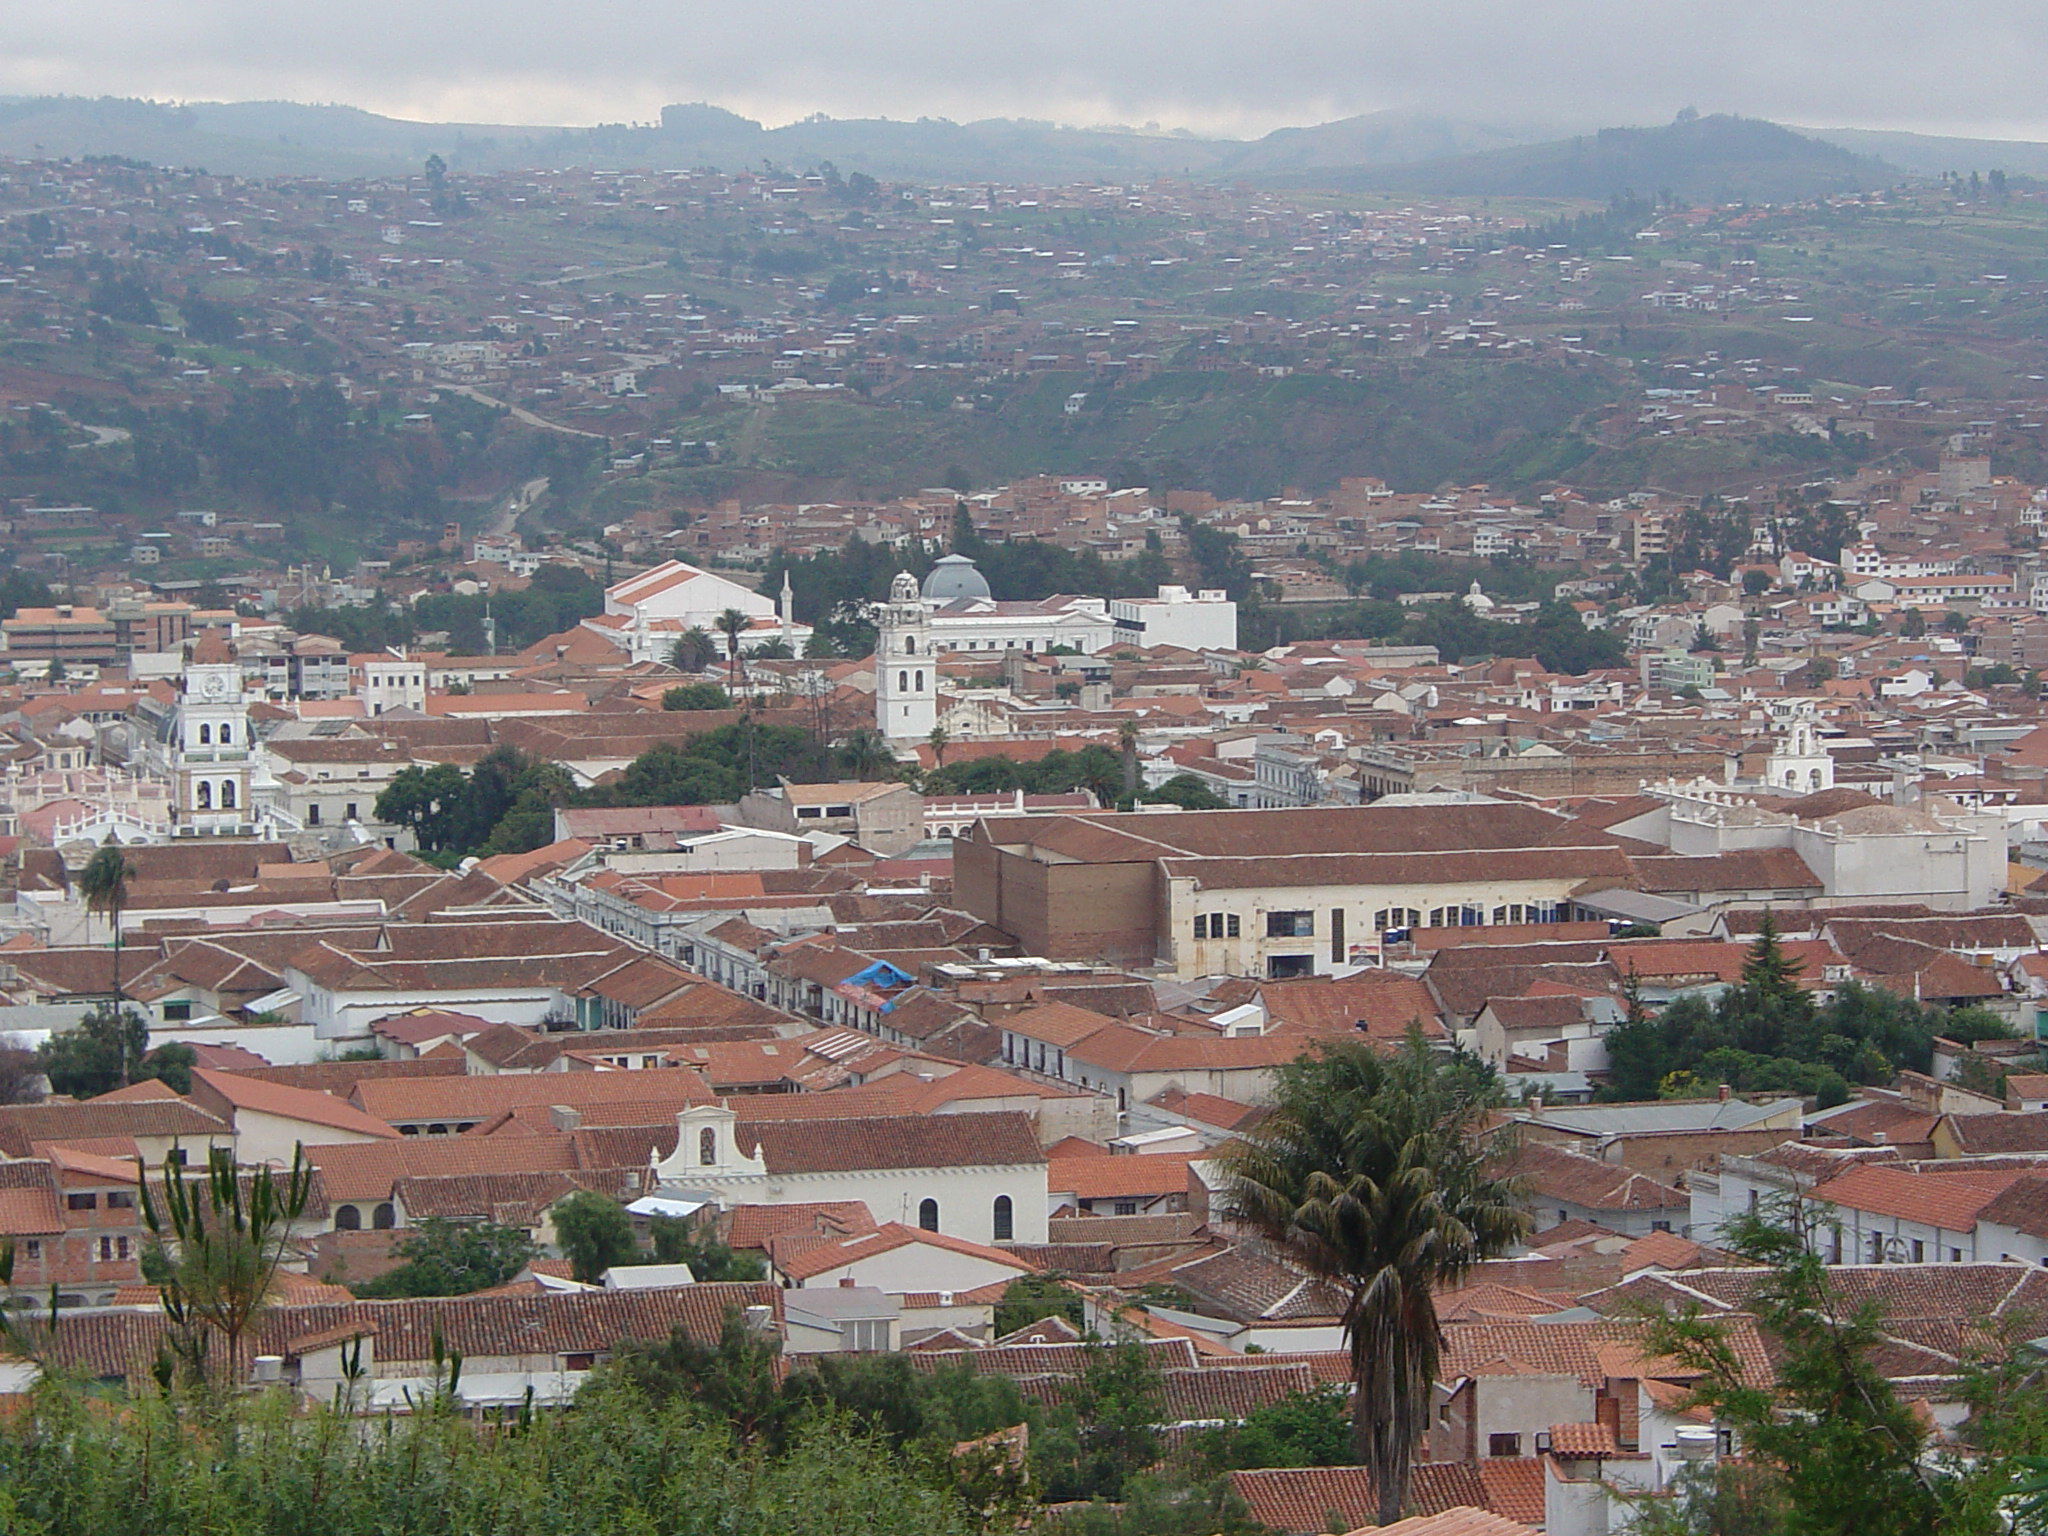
x=953 y=578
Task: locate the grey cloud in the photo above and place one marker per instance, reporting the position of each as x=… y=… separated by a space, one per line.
x=1210 y=65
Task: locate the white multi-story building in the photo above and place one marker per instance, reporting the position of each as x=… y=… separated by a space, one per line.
x=1197 y=621
x=906 y=672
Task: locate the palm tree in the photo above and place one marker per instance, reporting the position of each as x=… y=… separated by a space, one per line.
x=865 y=754
x=732 y=624
x=1374 y=1172
x=938 y=741
x=1127 y=745
x=104 y=885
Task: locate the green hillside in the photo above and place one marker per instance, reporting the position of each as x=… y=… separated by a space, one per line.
x=1715 y=159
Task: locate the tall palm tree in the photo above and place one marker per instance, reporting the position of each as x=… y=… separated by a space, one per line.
x=865 y=753
x=732 y=624
x=104 y=885
x=1375 y=1173
x=1127 y=746
x=938 y=741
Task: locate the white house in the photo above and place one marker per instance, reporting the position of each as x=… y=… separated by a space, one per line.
x=981 y=1177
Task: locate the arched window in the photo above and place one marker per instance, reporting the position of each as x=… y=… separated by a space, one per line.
x=707 y=1147
x=204 y=799
x=227 y=794
x=928 y=1215
x=227 y=734
x=206 y=735
x=903 y=682
x=910 y=645
x=385 y=1217
x=1006 y=1220
x=920 y=682
x=347 y=1219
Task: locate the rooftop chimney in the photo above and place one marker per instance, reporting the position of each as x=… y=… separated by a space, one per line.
x=1722 y=1095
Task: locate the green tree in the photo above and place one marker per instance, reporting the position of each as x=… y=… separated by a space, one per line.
x=1187 y=792
x=866 y=755
x=1303 y=1429
x=1377 y=1175
x=733 y=623
x=103 y=884
x=694 y=652
x=693 y=696
x=447 y=1258
x=1116 y=1406
x=696 y=1242
x=218 y=1240
x=110 y=1049
x=1032 y=1298
x=1914 y=625
x=1844 y=1451
x=593 y=1234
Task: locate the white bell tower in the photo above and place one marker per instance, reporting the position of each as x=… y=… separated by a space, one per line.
x=213 y=759
x=906 y=682
x=1799 y=763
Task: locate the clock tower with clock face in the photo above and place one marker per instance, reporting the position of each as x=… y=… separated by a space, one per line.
x=213 y=756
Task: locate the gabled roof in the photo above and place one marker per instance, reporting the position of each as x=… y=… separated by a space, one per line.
x=826 y=1254
x=241 y=1092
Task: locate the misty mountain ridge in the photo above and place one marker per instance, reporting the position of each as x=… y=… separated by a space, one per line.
x=1400 y=151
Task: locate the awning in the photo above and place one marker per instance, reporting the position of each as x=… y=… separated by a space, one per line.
x=1636 y=906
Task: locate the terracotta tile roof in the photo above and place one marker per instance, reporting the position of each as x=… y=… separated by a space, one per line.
x=1463 y=1521
x=751 y=1226
x=1553 y=1173
x=233 y=1093
x=1044 y=1359
x=1583 y=1440
x=22 y=1124
x=457 y=1099
x=1303 y=1501
x=1948 y=1201
x=115 y=1343
x=1207 y=1109
x=1386 y=1003
x=371 y=1170
x=1514 y=1487
x=819 y=1255
x=2001 y=1131
x=1119 y=1176
x=978 y=1140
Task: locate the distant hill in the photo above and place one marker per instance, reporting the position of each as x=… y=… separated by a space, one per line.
x=1929 y=155
x=261 y=138
x=1398 y=151
x=1718 y=158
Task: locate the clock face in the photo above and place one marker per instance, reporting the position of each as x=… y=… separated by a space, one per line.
x=215 y=687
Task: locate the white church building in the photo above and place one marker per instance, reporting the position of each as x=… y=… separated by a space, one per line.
x=646 y=615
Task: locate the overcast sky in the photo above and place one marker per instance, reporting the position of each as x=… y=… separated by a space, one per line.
x=1214 y=66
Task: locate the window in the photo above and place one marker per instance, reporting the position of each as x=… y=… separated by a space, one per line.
x=1230 y=925
x=1955 y=1255
x=385 y=1217
x=1396 y=917
x=33 y=1248
x=582 y=1361
x=1290 y=925
x=1005 y=1219
x=1503 y=1445
x=1919 y=1251
x=928 y=1215
x=1287 y=967
x=81 y=1202
x=206 y=735
x=227 y=735
x=864 y=1335
x=1660 y=1226
x=347 y=1219
x=313 y=815
x=707 y=1147
x=227 y=794
x=205 y=797
x=120 y=1200
x=349 y=810
x=920 y=680
x=1126 y=1208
